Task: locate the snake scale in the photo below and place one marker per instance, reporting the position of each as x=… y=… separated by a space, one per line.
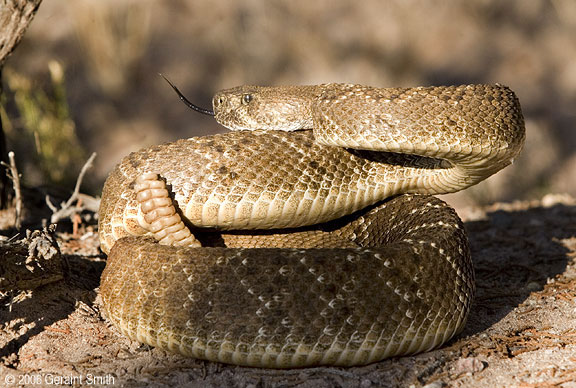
x=285 y=247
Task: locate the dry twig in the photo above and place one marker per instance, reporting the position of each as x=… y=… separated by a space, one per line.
x=67 y=210
x=12 y=172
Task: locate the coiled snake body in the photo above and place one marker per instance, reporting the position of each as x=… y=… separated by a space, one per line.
x=282 y=247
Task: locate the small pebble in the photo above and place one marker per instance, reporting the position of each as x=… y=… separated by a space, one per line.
x=469 y=365
x=550 y=200
x=435 y=384
x=366 y=383
x=533 y=286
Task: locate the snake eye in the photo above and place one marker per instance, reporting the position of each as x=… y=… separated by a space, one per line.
x=246 y=98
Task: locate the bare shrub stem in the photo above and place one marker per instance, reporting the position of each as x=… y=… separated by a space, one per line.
x=13 y=174
x=67 y=210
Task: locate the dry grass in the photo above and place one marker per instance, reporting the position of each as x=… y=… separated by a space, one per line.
x=43 y=123
x=114 y=37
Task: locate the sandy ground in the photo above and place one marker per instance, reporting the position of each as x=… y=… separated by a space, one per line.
x=521 y=331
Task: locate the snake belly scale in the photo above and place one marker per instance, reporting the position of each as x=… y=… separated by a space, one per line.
x=308 y=234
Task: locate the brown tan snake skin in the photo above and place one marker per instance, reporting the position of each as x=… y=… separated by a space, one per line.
x=285 y=248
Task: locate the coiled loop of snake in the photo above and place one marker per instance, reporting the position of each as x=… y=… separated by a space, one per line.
x=300 y=256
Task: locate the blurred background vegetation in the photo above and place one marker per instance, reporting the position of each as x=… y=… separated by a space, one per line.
x=85 y=76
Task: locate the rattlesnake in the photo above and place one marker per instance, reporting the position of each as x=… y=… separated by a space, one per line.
x=317 y=247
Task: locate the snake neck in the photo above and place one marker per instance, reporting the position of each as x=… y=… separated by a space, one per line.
x=475 y=130
x=399 y=170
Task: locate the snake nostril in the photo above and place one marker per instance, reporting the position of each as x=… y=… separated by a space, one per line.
x=217 y=101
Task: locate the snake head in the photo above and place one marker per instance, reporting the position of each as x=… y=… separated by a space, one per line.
x=282 y=108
